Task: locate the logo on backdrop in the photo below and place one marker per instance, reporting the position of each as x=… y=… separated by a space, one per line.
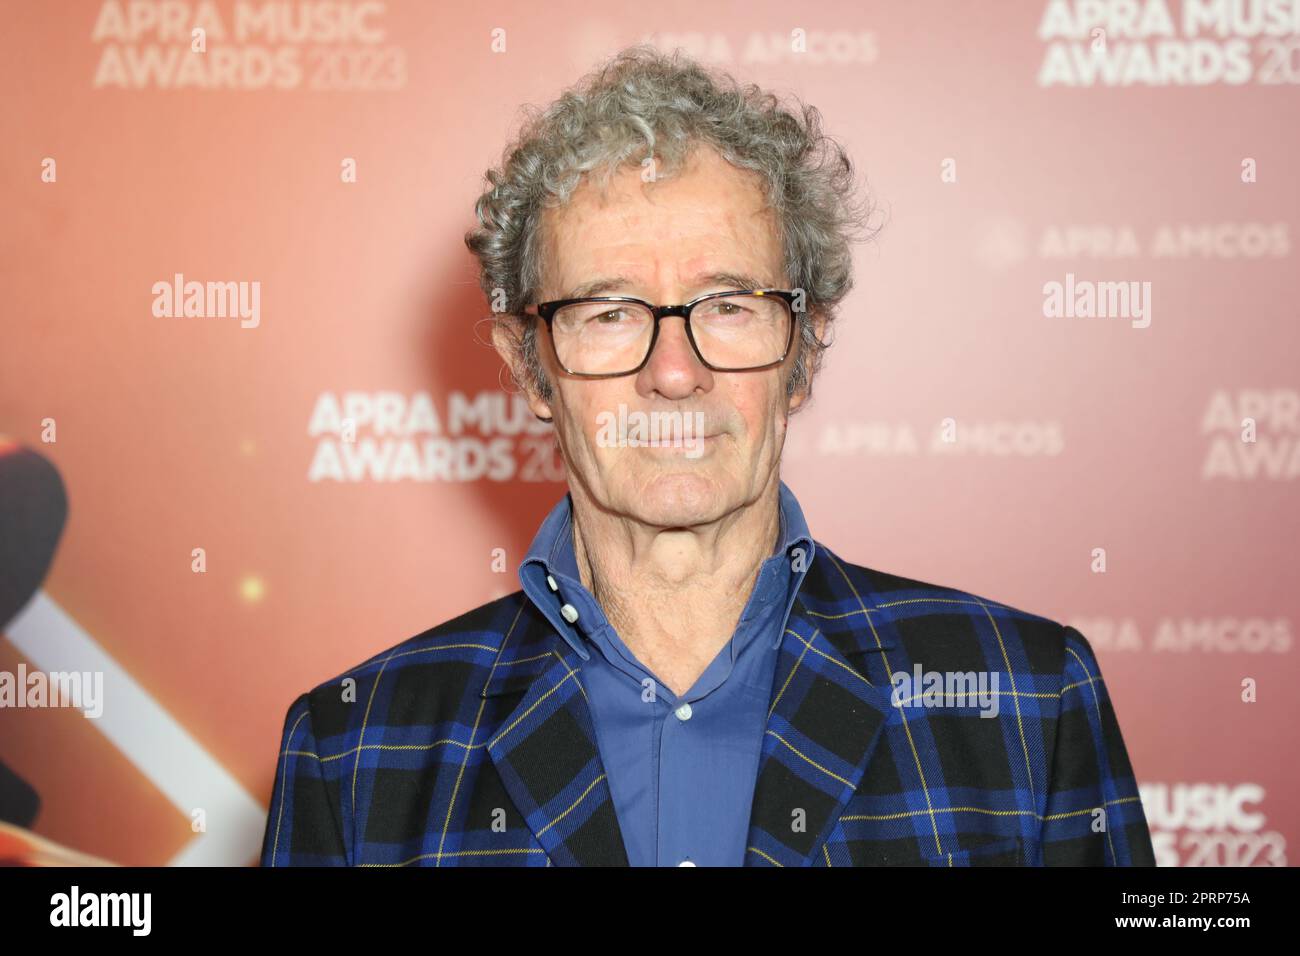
x=327 y=45
x=1003 y=242
x=1253 y=434
x=389 y=436
x=1169 y=43
x=1247 y=634
x=947 y=438
x=1210 y=824
x=757 y=48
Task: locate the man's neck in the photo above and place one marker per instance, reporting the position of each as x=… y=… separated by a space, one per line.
x=674 y=596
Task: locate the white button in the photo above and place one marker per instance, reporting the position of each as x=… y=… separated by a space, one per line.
x=683 y=713
x=551 y=581
x=569 y=612
x=686 y=863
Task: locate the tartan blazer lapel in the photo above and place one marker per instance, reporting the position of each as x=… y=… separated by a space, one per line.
x=546 y=753
x=824 y=721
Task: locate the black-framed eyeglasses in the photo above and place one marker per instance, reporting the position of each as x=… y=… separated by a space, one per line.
x=611 y=335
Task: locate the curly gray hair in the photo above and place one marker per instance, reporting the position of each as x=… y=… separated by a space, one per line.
x=644 y=103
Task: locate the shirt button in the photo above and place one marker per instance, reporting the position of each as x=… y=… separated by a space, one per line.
x=569 y=612
x=684 y=713
x=686 y=863
x=550 y=581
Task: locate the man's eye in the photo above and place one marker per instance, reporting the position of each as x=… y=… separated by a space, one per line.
x=725 y=309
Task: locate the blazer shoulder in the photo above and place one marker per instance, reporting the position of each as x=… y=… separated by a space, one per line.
x=934 y=614
x=437 y=665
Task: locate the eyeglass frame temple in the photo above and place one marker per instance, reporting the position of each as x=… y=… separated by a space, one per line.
x=546 y=312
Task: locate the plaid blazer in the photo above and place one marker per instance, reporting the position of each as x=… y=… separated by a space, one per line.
x=472 y=744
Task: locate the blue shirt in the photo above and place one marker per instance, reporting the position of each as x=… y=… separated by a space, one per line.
x=681 y=770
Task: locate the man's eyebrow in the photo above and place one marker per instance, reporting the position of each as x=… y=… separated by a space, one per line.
x=597 y=287
x=732 y=280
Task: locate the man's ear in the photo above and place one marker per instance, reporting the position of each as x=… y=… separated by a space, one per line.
x=507 y=339
x=818 y=319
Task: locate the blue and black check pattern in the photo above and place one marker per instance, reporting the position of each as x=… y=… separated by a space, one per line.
x=472 y=744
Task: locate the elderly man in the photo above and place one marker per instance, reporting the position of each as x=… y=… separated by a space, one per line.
x=687 y=677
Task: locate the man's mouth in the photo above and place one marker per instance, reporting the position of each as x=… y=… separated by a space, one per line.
x=678 y=442
x=689 y=447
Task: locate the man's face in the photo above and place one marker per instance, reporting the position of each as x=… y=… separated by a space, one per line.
x=667 y=243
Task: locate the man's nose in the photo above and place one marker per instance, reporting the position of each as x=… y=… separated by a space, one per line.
x=674 y=370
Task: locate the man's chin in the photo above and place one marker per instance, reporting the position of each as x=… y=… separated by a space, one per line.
x=682 y=496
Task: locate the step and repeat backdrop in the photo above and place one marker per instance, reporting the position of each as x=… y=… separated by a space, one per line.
x=1067 y=379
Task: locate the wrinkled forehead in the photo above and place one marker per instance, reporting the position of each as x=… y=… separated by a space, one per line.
x=704 y=218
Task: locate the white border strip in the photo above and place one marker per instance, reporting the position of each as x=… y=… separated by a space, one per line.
x=150 y=738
